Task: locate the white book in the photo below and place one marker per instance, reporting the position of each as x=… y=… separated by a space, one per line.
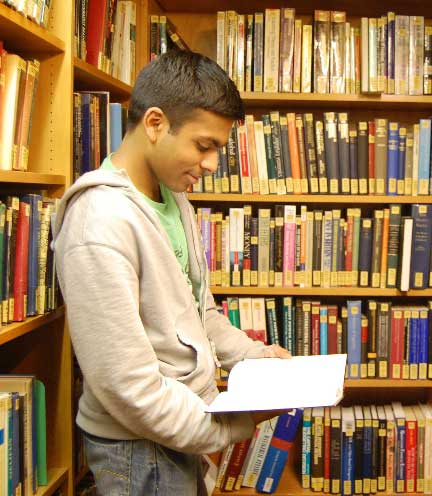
x=407 y=228
x=416 y=55
x=261 y=158
x=308 y=381
x=364 y=55
x=259 y=448
x=245 y=311
x=236 y=244
x=259 y=319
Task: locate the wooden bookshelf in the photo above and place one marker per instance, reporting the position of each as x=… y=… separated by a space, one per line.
x=317 y=291
x=17 y=329
x=331 y=199
x=32 y=178
x=88 y=77
x=337 y=102
x=56 y=477
x=20 y=34
x=40 y=345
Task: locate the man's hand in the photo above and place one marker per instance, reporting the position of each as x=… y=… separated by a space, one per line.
x=276 y=351
x=259 y=417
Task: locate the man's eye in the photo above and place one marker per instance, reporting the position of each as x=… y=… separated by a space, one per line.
x=202 y=148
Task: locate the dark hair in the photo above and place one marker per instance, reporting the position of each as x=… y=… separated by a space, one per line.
x=179 y=82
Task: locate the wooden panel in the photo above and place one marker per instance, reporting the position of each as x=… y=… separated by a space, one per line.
x=26 y=37
x=51 y=136
x=296 y=291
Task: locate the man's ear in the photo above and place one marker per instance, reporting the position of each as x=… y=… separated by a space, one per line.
x=154 y=121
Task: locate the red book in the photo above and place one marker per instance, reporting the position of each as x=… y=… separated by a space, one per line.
x=315 y=326
x=21 y=262
x=332 y=313
x=235 y=465
x=397 y=326
x=96 y=31
x=410 y=450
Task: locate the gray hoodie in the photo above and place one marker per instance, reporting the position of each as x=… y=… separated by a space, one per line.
x=147 y=354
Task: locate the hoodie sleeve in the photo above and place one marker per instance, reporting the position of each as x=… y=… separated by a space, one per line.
x=101 y=289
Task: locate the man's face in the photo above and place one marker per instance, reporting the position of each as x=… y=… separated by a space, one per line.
x=179 y=159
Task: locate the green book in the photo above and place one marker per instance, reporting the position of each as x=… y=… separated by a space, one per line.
x=41 y=451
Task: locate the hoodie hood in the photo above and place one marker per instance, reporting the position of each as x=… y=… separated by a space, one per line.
x=99 y=177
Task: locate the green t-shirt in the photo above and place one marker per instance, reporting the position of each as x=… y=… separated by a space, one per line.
x=169 y=215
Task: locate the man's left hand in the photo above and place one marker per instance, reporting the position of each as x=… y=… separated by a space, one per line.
x=276 y=351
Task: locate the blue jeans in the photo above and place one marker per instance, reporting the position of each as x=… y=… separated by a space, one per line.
x=142 y=468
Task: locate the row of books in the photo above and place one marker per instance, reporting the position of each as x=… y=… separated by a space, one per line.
x=23 y=462
x=28 y=282
x=260 y=461
x=164 y=36
x=287 y=248
x=382 y=339
x=18 y=85
x=36 y=10
x=98 y=127
x=273 y=51
x=302 y=153
x=105 y=36
x=368 y=449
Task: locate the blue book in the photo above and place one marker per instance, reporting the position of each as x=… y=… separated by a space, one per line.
x=423 y=343
x=392 y=158
x=401 y=160
x=86 y=135
x=277 y=454
x=115 y=125
x=348 y=429
x=414 y=342
x=35 y=202
x=354 y=338
x=424 y=156
x=323 y=330
x=421 y=245
x=367 y=449
x=16 y=456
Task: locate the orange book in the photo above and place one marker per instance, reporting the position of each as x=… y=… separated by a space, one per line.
x=294 y=153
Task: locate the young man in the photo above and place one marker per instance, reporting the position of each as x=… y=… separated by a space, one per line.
x=131 y=267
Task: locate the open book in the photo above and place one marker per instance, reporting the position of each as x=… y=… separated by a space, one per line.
x=280 y=384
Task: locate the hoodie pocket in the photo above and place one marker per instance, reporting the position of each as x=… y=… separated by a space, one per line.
x=193 y=358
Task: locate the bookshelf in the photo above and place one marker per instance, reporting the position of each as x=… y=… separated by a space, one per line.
x=196 y=23
x=40 y=345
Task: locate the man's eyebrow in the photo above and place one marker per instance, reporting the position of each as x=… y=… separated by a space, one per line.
x=214 y=141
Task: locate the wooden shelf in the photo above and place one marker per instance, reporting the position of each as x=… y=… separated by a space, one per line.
x=366 y=8
x=343 y=199
x=296 y=291
x=20 y=34
x=387 y=383
x=20 y=177
x=304 y=100
x=88 y=77
x=56 y=476
x=17 y=329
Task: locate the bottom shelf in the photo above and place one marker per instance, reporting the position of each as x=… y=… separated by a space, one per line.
x=56 y=476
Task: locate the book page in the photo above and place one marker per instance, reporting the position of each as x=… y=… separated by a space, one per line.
x=278 y=384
